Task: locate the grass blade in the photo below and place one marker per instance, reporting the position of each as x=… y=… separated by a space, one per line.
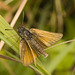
x=5 y=35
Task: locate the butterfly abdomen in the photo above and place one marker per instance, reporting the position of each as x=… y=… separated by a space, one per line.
x=36 y=45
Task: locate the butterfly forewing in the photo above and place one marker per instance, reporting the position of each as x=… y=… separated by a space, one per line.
x=48 y=38
x=26 y=54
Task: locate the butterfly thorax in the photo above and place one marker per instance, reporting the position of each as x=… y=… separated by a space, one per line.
x=24 y=33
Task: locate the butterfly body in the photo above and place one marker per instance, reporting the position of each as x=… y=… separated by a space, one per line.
x=33 y=42
x=32 y=39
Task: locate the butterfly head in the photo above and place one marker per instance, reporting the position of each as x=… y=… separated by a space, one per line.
x=21 y=30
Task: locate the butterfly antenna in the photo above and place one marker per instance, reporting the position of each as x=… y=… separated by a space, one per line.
x=22 y=17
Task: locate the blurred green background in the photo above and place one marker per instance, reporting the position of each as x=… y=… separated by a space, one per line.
x=49 y=15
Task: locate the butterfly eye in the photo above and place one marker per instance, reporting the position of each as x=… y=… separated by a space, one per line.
x=19 y=31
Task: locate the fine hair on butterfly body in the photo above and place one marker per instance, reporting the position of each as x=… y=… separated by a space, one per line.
x=33 y=42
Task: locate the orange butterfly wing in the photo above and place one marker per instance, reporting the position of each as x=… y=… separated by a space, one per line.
x=48 y=38
x=26 y=54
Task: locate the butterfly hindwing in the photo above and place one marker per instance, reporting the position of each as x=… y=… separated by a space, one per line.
x=48 y=38
x=26 y=54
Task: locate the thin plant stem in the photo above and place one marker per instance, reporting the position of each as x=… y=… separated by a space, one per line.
x=18 y=13
x=60 y=44
x=59 y=15
x=12 y=59
x=73 y=71
x=1 y=44
x=9 y=58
